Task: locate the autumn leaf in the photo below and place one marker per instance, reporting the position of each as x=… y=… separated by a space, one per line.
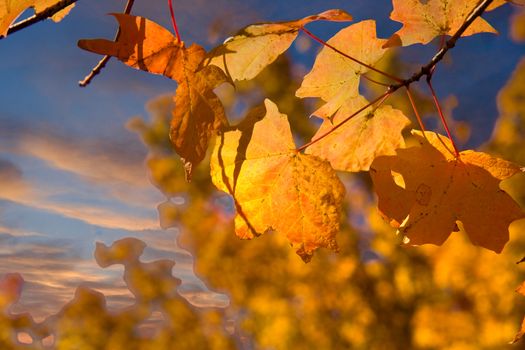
x=145 y=45
x=335 y=78
x=11 y=9
x=423 y=21
x=198 y=112
x=197 y=115
x=424 y=190
x=244 y=55
x=354 y=145
x=275 y=188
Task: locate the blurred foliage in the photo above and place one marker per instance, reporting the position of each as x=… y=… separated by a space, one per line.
x=85 y=323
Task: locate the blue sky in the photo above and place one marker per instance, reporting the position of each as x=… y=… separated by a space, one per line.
x=71 y=174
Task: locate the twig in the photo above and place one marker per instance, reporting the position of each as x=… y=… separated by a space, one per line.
x=37 y=17
x=102 y=63
x=426 y=70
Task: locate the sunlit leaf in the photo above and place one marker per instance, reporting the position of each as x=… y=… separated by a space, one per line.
x=250 y=50
x=275 y=188
x=335 y=78
x=354 y=145
x=423 y=21
x=424 y=190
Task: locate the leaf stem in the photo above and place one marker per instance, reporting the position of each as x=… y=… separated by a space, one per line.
x=378 y=100
x=442 y=116
x=324 y=43
x=418 y=117
x=173 y=21
x=374 y=81
x=102 y=63
x=37 y=17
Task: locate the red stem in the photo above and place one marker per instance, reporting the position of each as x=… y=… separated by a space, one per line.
x=418 y=117
x=442 y=116
x=380 y=99
x=374 y=81
x=324 y=43
x=173 y=21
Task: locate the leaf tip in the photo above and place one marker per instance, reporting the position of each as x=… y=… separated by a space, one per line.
x=394 y=41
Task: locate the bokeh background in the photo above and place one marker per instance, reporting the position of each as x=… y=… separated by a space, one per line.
x=86 y=165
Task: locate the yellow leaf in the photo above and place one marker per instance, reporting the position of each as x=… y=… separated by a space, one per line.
x=275 y=188
x=354 y=145
x=423 y=21
x=246 y=54
x=335 y=78
x=440 y=189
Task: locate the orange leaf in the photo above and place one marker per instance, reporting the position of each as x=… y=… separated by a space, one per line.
x=422 y=22
x=335 y=78
x=424 y=190
x=275 y=188
x=198 y=112
x=245 y=55
x=11 y=9
x=354 y=145
x=145 y=45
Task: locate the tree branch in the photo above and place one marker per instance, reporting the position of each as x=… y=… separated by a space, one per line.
x=102 y=63
x=37 y=17
x=427 y=69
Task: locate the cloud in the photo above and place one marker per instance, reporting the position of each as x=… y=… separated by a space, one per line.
x=103 y=182
x=12 y=183
x=98 y=160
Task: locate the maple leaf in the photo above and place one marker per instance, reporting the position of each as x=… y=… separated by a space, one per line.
x=198 y=112
x=245 y=55
x=275 y=188
x=145 y=45
x=423 y=21
x=11 y=9
x=335 y=78
x=424 y=190
x=354 y=145
x=197 y=115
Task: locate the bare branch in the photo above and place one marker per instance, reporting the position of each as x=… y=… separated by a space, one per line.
x=427 y=69
x=102 y=63
x=37 y=17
